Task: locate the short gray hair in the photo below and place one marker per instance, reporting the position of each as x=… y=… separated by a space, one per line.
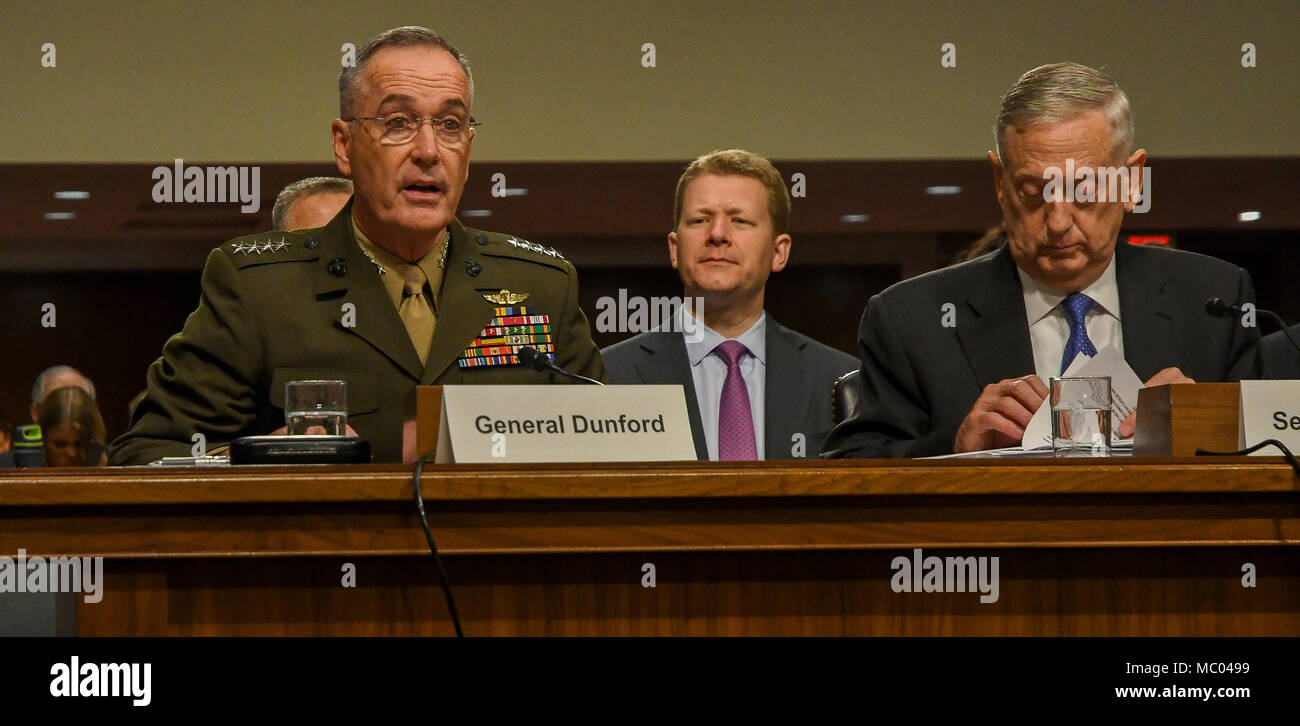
x=38 y=389
x=303 y=188
x=1062 y=91
x=407 y=35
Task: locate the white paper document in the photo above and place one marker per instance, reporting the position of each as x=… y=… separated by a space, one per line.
x=1124 y=387
x=1123 y=447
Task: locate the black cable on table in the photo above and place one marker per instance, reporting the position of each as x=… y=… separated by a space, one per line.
x=1290 y=458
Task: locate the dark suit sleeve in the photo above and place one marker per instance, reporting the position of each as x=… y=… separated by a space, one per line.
x=620 y=366
x=576 y=351
x=893 y=419
x=204 y=381
x=1280 y=359
x=1244 y=358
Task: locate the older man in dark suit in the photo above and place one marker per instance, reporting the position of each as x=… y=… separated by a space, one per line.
x=754 y=389
x=955 y=360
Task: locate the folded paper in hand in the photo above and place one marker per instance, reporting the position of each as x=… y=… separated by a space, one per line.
x=1124 y=387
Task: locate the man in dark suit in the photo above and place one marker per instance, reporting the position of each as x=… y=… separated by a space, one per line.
x=955 y=360
x=754 y=389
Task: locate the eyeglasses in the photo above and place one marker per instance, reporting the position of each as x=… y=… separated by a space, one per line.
x=402 y=126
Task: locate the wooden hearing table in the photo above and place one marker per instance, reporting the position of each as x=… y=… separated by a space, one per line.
x=1085 y=547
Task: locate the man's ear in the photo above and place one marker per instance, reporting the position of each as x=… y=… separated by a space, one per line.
x=782 y=253
x=996 y=163
x=672 y=249
x=1137 y=161
x=340 y=135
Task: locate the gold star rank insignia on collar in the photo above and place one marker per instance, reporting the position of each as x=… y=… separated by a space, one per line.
x=505 y=297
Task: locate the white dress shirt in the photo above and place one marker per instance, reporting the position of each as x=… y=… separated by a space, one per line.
x=1049 y=329
x=709 y=373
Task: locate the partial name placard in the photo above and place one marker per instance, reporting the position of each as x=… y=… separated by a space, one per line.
x=1270 y=410
x=563 y=423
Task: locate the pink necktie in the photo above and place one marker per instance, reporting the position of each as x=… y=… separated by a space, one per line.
x=735 y=420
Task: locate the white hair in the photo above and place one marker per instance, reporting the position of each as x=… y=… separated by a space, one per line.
x=1062 y=91
x=38 y=390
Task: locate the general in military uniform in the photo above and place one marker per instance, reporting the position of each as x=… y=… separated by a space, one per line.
x=393 y=293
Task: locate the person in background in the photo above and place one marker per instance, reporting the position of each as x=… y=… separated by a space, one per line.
x=72 y=429
x=754 y=389
x=56 y=377
x=310 y=203
x=988 y=242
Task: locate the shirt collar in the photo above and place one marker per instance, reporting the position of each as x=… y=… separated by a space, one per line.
x=1039 y=301
x=388 y=261
x=755 y=339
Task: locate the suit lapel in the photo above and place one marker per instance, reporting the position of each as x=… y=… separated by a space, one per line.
x=995 y=337
x=666 y=362
x=373 y=317
x=1146 y=319
x=788 y=391
x=462 y=310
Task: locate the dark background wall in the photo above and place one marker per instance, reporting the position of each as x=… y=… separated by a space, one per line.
x=112 y=325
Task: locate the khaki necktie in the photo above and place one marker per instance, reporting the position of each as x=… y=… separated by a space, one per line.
x=415 y=311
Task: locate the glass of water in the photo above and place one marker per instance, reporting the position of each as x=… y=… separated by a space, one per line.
x=1080 y=416
x=316 y=407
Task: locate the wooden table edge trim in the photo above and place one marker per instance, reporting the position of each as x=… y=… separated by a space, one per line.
x=509 y=482
x=558 y=550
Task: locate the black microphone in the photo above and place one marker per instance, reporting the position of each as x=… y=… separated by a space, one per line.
x=1220 y=308
x=539 y=361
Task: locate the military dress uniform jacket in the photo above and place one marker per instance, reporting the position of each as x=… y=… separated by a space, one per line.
x=283 y=306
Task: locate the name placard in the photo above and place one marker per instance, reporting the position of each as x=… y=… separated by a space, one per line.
x=563 y=423
x=1270 y=410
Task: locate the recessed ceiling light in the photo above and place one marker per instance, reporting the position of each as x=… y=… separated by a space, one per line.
x=476 y=213
x=71 y=194
x=942 y=191
x=1251 y=216
x=854 y=218
x=60 y=215
x=514 y=192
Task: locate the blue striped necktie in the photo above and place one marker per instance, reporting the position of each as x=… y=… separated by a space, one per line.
x=1076 y=307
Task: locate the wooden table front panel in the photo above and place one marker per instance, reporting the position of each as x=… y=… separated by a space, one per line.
x=1085 y=592
x=1132 y=547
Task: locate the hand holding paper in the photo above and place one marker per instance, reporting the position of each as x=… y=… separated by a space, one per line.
x=1002 y=412
x=1124 y=386
x=999 y=416
x=1168 y=375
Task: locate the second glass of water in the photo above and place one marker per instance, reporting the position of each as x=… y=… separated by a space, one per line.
x=1080 y=416
x=316 y=407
